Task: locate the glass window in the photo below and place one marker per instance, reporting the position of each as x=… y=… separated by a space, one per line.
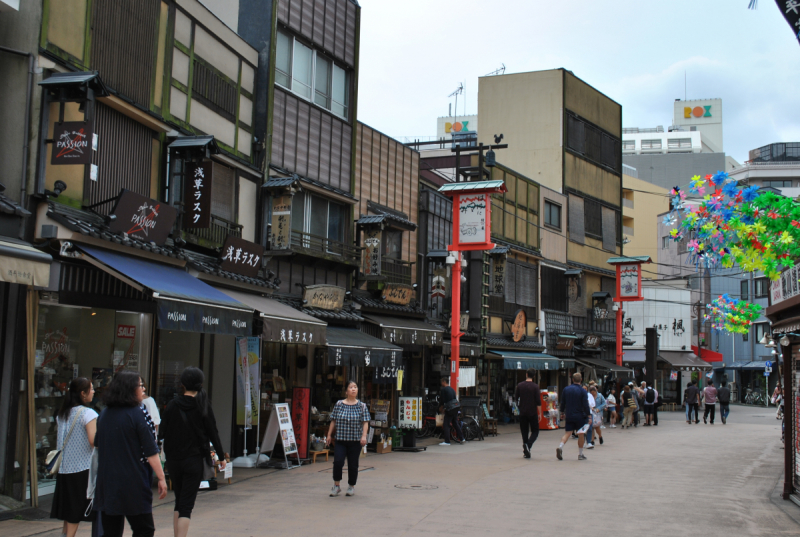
x=336 y=222
x=522 y=194
x=298 y=212
x=322 y=83
x=665 y=243
x=392 y=243
x=319 y=217
x=628 y=145
x=301 y=70
x=784 y=183
x=339 y=92
x=760 y=330
x=744 y=290
x=552 y=214
x=760 y=287
x=283 y=60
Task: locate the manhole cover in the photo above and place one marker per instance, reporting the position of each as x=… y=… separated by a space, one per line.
x=416 y=487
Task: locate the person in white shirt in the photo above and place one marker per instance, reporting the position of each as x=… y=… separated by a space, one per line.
x=612 y=408
x=590 y=434
x=152 y=408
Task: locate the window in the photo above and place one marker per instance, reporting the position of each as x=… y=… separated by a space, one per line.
x=593 y=218
x=665 y=243
x=785 y=183
x=760 y=288
x=307 y=73
x=392 y=243
x=593 y=143
x=629 y=145
x=745 y=336
x=744 y=290
x=679 y=143
x=760 y=330
x=552 y=214
x=651 y=144
x=318 y=217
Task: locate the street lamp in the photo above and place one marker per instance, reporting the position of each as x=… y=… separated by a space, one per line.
x=763 y=340
x=784 y=341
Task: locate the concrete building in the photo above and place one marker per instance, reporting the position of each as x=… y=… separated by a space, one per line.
x=641 y=201
x=774 y=165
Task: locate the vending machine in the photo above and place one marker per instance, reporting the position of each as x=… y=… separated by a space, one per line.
x=550 y=412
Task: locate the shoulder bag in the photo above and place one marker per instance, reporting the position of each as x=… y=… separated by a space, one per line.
x=53 y=460
x=208 y=468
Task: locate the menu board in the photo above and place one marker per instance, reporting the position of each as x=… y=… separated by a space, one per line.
x=410 y=413
x=280 y=423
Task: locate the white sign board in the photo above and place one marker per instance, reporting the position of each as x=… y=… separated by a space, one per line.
x=629 y=280
x=666 y=309
x=280 y=422
x=410 y=413
x=472 y=218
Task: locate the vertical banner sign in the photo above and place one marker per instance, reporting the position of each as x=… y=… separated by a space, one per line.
x=197 y=195
x=248 y=356
x=472 y=218
x=499 y=275
x=630 y=279
x=71 y=143
x=410 y=413
x=301 y=399
x=372 y=251
x=281 y=222
x=791 y=12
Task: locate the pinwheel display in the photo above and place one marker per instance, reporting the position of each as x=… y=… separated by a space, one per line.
x=732 y=315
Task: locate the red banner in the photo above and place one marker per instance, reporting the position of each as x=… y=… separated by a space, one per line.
x=301 y=399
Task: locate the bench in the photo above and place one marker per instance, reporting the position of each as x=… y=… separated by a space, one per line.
x=315 y=454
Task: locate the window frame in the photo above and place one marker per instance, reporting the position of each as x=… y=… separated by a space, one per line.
x=774 y=183
x=761 y=287
x=665 y=242
x=744 y=291
x=548 y=208
x=760 y=330
x=305 y=228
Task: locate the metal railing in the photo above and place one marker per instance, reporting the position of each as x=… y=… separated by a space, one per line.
x=215 y=235
x=396 y=270
x=323 y=247
x=591 y=325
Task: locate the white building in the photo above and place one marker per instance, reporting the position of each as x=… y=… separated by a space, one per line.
x=447 y=125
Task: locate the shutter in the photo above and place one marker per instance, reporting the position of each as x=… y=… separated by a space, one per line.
x=575 y=134
x=222 y=192
x=526 y=286
x=609 y=229
x=511 y=282
x=576 y=225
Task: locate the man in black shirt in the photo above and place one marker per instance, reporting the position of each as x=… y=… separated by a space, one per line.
x=724 y=396
x=529 y=402
x=446 y=395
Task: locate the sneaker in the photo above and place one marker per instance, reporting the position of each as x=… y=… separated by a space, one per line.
x=689 y=422
x=526 y=450
x=613 y=426
x=336 y=490
x=602 y=426
x=723 y=421
x=601 y=440
x=444 y=444
x=589 y=445
x=705 y=420
x=350 y=491
x=581 y=457
x=558 y=454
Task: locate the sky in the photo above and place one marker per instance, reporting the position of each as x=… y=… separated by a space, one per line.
x=414 y=53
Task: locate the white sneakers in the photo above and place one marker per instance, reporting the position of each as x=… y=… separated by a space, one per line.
x=350 y=491
x=444 y=444
x=336 y=490
x=589 y=445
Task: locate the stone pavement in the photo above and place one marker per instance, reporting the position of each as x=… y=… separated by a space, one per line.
x=674 y=479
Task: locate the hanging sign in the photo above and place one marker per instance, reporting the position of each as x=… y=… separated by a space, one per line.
x=241 y=257
x=565 y=343
x=629 y=282
x=472 y=222
x=591 y=341
x=140 y=217
x=498 y=284
x=197 y=195
x=71 y=143
x=326 y=297
x=301 y=399
x=398 y=293
x=409 y=413
x=281 y=222
x=520 y=326
x=372 y=251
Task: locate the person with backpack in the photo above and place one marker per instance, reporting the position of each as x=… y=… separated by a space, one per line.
x=724 y=396
x=650 y=398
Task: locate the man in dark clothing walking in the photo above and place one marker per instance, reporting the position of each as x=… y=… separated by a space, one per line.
x=693 y=401
x=574 y=407
x=446 y=395
x=529 y=402
x=724 y=396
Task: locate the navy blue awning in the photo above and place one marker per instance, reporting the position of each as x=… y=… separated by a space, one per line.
x=351 y=347
x=530 y=360
x=184 y=303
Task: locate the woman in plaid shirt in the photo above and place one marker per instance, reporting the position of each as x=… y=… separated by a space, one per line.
x=350 y=420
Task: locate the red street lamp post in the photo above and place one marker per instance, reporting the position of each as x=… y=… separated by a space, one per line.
x=629 y=289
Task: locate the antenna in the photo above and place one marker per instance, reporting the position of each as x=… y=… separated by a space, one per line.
x=684 y=86
x=455 y=94
x=500 y=71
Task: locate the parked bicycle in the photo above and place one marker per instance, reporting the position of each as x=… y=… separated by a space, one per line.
x=754 y=397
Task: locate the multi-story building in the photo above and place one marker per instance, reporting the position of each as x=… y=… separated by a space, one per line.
x=640 y=202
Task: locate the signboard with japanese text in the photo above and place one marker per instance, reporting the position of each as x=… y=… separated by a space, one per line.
x=142 y=218
x=281 y=223
x=326 y=297
x=591 y=341
x=786 y=286
x=386 y=375
x=498 y=283
x=372 y=251
x=398 y=293
x=280 y=424
x=197 y=195
x=248 y=357
x=409 y=411
x=301 y=401
x=565 y=343
x=472 y=222
x=241 y=257
x=72 y=143
x=629 y=282
x=520 y=326
x=668 y=310
x=363 y=356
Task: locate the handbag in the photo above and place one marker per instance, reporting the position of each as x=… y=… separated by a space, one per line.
x=53 y=460
x=208 y=468
x=452 y=404
x=440 y=420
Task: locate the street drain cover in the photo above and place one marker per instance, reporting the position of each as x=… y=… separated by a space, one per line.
x=416 y=487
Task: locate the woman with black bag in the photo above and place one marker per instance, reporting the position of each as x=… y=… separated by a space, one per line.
x=187 y=426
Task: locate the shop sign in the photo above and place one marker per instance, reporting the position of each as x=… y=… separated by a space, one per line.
x=409 y=413
x=54 y=345
x=565 y=343
x=71 y=143
x=786 y=287
x=197 y=195
x=697 y=111
x=472 y=218
x=325 y=297
x=280 y=423
x=409 y=336
x=398 y=293
x=591 y=341
x=372 y=251
x=363 y=357
x=126 y=331
x=439 y=283
x=301 y=399
x=143 y=218
x=629 y=281
x=520 y=326
x=498 y=285
x=386 y=375
x=207 y=319
x=281 y=223
x=463 y=326
x=241 y=257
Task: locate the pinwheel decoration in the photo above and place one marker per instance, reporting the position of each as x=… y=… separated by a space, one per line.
x=732 y=315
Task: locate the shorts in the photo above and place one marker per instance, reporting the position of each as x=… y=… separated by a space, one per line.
x=648 y=409
x=579 y=426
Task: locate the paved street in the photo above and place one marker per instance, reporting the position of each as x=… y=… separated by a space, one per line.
x=665 y=480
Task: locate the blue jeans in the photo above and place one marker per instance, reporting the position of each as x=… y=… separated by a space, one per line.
x=590 y=433
x=688 y=410
x=724 y=410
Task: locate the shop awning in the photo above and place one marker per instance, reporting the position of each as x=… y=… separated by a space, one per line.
x=531 y=360
x=465 y=349
x=633 y=356
x=24 y=264
x=282 y=323
x=604 y=364
x=758 y=365
x=736 y=366
x=684 y=361
x=351 y=347
x=406 y=331
x=708 y=356
x=184 y=303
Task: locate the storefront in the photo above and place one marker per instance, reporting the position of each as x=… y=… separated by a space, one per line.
x=674 y=371
x=605 y=373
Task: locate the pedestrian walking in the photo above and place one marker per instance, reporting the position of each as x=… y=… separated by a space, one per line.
x=450 y=407
x=77 y=425
x=574 y=408
x=693 y=402
x=656 y=406
x=612 y=408
x=590 y=432
x=151 y=407
x=724 y=396
x=710 y=396
x=629 y=406
x=650 y=397
x=188 y=427
x=349 y=424
x=123 y=482
x=529 y=402
x=597 y=416
x=777 y=400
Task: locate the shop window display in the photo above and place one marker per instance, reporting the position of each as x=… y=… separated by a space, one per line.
x=176 y=351
x=81 y=342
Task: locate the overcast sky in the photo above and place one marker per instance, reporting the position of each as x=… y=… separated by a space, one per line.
x=414 y=53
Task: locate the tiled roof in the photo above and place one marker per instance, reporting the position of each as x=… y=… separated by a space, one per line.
x=92 y=78
x=318 y=184
x=342 y=315
x=380 y=305
x=590 y=268
x=528 y=344
x=195 y=141
x=9 y=206
x=210 y=265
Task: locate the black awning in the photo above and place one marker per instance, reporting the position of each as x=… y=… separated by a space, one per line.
x=530 y=360
x=684 y=361
x=88 y=79
x=465 y=349
x=401 y=331
x=351 y=347
x=603 y=364
x=194 y=142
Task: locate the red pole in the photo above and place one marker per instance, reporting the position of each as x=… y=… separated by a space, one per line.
x=455 y=321
x=619 y=335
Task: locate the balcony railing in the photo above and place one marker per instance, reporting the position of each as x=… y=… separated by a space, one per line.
x=590 y=325
x=215 y=235
x=396 y=270
x=627 y=231
x=316 y=246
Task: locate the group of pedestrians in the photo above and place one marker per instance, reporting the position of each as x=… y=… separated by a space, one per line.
x=108 y=460
x=693 y=397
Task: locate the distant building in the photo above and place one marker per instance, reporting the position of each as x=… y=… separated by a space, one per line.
x=774 y=165
x=641 y=201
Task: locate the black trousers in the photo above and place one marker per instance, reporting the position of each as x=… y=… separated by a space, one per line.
x=526 y=423
x=450 y=418
x=141 y=525
x=655 y=414
x=711 y=408
x=694 y=407
x=350 y=450
x=186 y=476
